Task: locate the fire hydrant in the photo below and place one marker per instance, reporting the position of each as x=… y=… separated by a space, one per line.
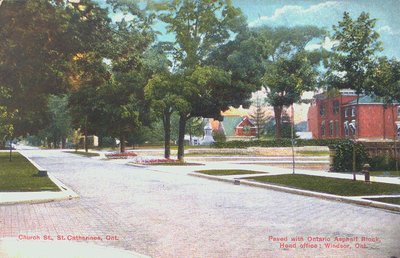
x=365 y=171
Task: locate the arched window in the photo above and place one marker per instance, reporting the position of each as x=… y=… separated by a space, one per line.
x=323 y=128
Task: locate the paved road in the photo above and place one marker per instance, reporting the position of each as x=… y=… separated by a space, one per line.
x=169 y=214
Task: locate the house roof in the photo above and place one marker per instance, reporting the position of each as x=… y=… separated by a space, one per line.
x=230 y=123
x=235 y=112
x=246 y=118
x=366 y=100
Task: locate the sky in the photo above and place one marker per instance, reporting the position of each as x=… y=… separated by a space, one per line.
x=325 y=14
x=322 y=14
x=319 y=13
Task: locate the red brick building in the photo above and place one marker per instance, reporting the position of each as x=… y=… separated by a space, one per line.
x=246 y=127
x=339 y=116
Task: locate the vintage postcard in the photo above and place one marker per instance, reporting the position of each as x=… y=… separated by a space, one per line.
x=199 y=128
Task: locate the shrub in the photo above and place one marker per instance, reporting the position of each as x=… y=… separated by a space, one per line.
x=219 y=136
x=343 y=160
x=383 y=162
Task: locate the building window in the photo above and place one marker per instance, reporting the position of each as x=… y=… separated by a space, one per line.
x=346 y=112
x=337 y=129
x=346 y=128
x=335 y=107
x=323 y=128
x=322 y=110
x=331 y=128
x=353 y=127
x=353 y=111
x=398 y=130
x=398 y=112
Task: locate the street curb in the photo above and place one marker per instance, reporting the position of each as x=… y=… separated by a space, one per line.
x=66 y=192
x=352 y=200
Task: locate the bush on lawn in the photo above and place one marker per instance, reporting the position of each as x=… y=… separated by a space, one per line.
x=343 y=160
x=383 y=162
x=219 y=136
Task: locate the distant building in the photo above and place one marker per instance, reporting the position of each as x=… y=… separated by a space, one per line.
x=236 y=125
x=246 y=127
x=337 y=116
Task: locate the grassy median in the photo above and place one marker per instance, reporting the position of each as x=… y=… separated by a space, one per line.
x=20 y=175
x=228 y=172
x=391 y=200
x=345 y=187
x=84 y=153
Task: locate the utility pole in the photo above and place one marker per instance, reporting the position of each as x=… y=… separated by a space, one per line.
x=292 y=134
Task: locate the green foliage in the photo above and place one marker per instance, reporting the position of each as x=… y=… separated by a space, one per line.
x=226 y=172
x=343 y=160
x=199 y=26
x=35 y=57
x=354 y=55
x=286 y=128
x=384 y=162
x=385 y=80
x=290 y=69
x=6 y=126
x=259 y=116
x=284 y=142
x=60 y=125
x=328 y=185
x=288 y=78
x=219 y=136
x=23 y=177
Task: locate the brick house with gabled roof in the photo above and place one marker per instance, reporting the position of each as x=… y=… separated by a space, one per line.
x=339 y=116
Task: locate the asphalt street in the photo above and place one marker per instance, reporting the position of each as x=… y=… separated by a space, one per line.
x=166 y=213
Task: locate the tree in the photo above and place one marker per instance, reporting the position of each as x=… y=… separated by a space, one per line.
x=60 y=120
x=35 y=59
x=286 y=79
x=199 y=27
x=385 y=82
x=122 y=99
x=165 y=98
x=259 y=115
x=6 y=126
x=354 y=54
x=289 y=68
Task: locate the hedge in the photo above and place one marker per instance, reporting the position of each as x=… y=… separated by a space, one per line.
x=343 y=159
x=277 y=143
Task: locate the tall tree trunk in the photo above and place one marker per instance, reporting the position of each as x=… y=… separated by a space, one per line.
x=278 y=121
x=63 y=142
x=357 y=133
x=122 y=144
x=181 y=137
x=167 y=134
x=85 y=142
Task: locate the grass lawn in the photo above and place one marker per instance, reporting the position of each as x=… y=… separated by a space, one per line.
x=83 y=153
x=175 y=164
x=313 y=153
x=345 y=187
x=227 y=172
x=218 y=154
x=385 y=173
x=20 y=175
x=392 y=200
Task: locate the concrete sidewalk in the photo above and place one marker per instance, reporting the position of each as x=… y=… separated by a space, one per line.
x=14 y=248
